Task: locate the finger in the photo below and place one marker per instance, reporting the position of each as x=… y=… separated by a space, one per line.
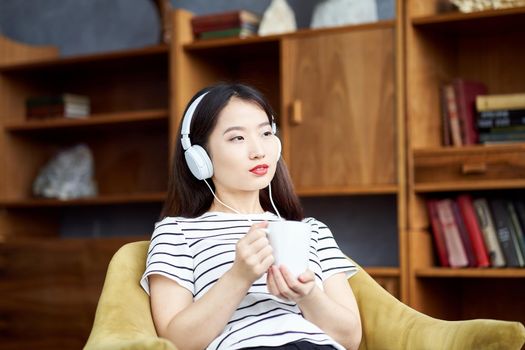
x=267 y=260
x=291 y=280
x=259 y=245
x=270 y=283
x=283 y=287
x=256 y=231
x=306 y=276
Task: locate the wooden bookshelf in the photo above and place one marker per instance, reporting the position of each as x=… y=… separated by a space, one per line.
x=482 y=46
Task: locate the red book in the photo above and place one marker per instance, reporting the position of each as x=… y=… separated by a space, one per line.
x=466 y=92
x=457 y=256
x=437 y=232
x=223 y=20
x=471 y=222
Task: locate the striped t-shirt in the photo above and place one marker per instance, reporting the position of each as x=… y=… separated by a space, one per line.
x=196 y=252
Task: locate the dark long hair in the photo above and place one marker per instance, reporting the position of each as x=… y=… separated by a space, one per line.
x=189 y=197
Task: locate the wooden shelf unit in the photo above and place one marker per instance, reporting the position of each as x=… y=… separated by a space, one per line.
x=321 y=83
x=483 y=46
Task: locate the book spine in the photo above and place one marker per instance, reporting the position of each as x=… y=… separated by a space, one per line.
x=456 y=252
x=499 y=122
x=519 y=232
x=471 y=223
x=500 y=113
x=437 y=231
x=504 y=231
x=502 y=137
x=493 y=102
x=466 y=92
x=445 y=120
x=455 y=126
x=497 y=259
x=463 y=234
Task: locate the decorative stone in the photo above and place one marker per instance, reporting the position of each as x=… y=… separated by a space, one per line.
x=333 y=13
x=278 y=18
x=68 y=175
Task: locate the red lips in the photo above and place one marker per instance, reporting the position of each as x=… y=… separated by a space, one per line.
x=260 y=169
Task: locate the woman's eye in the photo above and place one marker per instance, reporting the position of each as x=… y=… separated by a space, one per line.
x=267 y=133
x=237 y=138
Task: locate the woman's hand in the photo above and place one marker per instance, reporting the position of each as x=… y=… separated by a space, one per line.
x=283 y=284
x=253 y=254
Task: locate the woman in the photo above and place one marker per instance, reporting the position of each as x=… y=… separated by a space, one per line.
x=210 y=272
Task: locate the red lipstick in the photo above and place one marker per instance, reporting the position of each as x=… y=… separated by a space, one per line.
x=260 y=169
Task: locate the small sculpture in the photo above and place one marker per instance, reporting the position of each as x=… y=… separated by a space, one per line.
x=277 y=19
x=67 y=175
x=332 y=13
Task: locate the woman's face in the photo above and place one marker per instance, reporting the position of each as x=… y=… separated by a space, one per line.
x=242 y=147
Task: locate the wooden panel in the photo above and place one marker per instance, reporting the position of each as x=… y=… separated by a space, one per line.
x=14 y=52
x=475 y=165
x=347 y=133
x=50 y=289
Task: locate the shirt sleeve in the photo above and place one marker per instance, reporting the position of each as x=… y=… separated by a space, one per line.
x=331 y=258
x=169 y=255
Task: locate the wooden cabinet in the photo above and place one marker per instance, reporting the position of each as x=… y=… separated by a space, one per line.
x=485 y=46
x=338 y=92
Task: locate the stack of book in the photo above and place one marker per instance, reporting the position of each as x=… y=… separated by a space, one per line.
x=470 y=115
x=501 y=118
x=480 y=232
x=58 y=106
x=238 y=24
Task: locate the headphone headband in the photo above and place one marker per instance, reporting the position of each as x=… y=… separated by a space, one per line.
x=186 y=121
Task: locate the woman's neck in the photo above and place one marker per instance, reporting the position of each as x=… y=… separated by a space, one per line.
x=244 y=204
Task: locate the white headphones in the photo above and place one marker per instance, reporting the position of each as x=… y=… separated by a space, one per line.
x=196 y=157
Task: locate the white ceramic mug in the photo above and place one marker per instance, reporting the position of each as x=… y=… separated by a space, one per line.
x=290 y=241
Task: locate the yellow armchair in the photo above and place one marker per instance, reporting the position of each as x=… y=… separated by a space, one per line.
x=123 y=317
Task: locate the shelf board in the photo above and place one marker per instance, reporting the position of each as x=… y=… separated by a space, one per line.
x=95 y=120
x=224 y=42
x=347 y=190
x=382 y=271
x=441 y=272
x=471 y=149
x=150 y=51
x=92 y=201
x=470 y=185
x=488 y=21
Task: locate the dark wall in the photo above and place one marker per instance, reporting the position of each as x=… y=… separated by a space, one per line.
x=87 y=26
x=365 y=227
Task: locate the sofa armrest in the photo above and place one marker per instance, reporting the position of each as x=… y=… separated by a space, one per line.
x=123 y=318
x=390 y=324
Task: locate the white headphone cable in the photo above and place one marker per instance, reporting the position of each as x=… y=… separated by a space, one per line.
x=236 y=211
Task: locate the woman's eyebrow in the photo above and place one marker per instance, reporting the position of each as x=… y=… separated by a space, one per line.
x=242 y=128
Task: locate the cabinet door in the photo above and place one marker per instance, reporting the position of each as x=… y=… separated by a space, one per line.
x=338 y=109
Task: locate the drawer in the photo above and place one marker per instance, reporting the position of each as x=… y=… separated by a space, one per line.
x=463 y=165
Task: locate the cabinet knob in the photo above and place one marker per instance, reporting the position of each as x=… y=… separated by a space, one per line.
x=296 y=115
x=474 y=168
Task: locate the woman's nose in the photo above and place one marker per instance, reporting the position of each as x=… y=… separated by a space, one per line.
x=256 y=150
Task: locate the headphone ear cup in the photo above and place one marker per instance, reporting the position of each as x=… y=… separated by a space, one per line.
x=199 y=162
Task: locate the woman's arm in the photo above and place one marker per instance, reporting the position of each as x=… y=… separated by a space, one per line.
x=335 y=310
x=194 y=325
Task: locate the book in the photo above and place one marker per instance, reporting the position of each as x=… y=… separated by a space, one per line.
x=437 y=233
x=223 y=20
x=499 y=113
x=227 y=33
x=54 y=106
x=517 y=228
x=457 y=256
x=466 y=207
x=503 y=101
x=502 y=137
x=463 y=234
x=466 y=92
x=455 y=126
x=505 y=233
x=499 y=122
x=481 y=206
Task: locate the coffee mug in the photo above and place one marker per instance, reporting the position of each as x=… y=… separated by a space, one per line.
x=290 y=241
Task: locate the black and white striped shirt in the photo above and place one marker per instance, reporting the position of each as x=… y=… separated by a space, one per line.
x=196 y=252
